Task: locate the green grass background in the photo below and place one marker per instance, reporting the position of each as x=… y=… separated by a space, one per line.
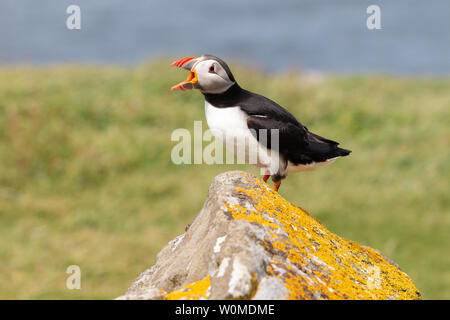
x=86 y=176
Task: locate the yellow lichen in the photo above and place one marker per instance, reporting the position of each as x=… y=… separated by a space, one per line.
x=193 y=291
x=254 y=285
x=331 y=267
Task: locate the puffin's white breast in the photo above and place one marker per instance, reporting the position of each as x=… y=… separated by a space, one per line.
x=230 y=126
x=225 y=119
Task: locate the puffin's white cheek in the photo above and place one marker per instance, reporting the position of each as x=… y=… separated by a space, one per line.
x=212 y=83
x=206 y=81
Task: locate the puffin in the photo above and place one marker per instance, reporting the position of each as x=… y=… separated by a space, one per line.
x=281 y=143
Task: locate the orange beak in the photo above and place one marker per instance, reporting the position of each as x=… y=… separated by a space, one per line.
x=188 y=64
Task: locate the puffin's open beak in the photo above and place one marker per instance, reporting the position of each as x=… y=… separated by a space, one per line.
x=188 y=64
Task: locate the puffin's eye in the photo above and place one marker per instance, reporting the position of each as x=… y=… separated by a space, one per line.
x=211 y=69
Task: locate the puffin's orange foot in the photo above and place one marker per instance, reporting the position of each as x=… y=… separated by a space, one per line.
x=266 y=177
x=276 y=186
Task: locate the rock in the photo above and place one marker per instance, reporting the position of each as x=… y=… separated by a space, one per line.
x=248 y=242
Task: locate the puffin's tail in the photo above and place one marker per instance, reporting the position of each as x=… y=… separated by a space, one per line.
x=342 y=152
x=324 y=149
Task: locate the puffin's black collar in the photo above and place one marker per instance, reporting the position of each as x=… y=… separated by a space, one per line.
x=229 y=98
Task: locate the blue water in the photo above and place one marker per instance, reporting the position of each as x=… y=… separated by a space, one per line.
x=322 y=35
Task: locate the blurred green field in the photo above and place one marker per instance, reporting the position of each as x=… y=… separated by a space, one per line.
x=86 y=176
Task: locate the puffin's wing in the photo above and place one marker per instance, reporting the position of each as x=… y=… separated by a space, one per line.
x=291 y=136
x=296 y=143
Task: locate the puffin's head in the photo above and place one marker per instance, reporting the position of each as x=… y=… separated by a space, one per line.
x=208 y=73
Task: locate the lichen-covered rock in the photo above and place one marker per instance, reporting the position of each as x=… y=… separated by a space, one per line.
x=249 y=243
